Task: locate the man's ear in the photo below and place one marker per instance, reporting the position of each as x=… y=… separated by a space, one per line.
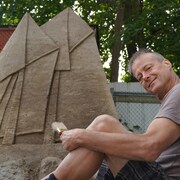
x=167 y=63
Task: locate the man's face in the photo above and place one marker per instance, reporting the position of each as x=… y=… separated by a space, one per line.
x=151 y=73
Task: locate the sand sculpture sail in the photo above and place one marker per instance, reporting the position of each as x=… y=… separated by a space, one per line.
x=50 y=73
x=26 y=75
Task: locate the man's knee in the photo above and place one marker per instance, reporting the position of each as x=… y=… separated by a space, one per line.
x=103 y=123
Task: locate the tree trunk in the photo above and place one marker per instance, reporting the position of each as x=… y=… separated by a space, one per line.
x=117 y=45
x=133 y=9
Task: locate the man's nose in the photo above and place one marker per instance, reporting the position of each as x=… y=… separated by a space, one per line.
x=146 y=76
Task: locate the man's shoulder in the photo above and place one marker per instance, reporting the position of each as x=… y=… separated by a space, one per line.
x=169 y=107
x=174 y=93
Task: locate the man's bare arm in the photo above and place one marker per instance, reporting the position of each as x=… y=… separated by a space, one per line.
x=160 y=135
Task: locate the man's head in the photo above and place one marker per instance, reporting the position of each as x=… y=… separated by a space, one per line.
x=135 y=56
x=153 y=71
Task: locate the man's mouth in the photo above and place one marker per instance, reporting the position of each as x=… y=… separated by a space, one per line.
x=151 y=83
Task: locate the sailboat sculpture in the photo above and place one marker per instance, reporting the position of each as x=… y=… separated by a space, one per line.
x=47 y=74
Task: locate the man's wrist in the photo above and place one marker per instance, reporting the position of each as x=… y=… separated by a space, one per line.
x=81 y=137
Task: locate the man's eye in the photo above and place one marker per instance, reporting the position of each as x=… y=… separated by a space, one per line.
x=148 y=68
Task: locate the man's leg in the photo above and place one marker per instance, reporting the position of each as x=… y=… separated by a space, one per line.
x=106 y=123
x=79 y=164
x=82 y=163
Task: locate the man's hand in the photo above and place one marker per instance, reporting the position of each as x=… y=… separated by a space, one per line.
x=71 y=138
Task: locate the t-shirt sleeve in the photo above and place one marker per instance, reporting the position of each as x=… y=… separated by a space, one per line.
x=170 y=107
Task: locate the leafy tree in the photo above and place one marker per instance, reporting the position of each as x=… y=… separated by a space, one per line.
x=123 y=25
x=11 y=11
x=158 y=27
x=107 y=14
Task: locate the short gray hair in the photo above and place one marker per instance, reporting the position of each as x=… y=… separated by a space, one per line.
x=137 y=54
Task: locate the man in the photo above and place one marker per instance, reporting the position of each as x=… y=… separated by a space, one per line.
x=153 y=155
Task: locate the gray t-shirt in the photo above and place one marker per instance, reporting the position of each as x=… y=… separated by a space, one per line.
x=170 y=108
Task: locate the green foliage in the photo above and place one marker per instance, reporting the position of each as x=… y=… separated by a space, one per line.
x=127 y=77
x=156 y=26
x=41 y=10
x=107 y=72
x=159 y=23
x=103 y=15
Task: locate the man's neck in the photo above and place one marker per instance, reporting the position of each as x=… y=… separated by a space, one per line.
x=175 y=80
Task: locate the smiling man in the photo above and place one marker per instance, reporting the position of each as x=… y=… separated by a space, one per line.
x=152 y=155
x=153 y=71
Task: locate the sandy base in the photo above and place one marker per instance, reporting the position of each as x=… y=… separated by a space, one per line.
x=29 y=162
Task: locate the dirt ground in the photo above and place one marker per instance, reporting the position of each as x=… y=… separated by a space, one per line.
x=29 y=162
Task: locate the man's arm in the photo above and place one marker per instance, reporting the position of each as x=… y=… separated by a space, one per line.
x=160 y=135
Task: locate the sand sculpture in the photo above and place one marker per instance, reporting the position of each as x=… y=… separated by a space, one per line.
x=48 y=73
